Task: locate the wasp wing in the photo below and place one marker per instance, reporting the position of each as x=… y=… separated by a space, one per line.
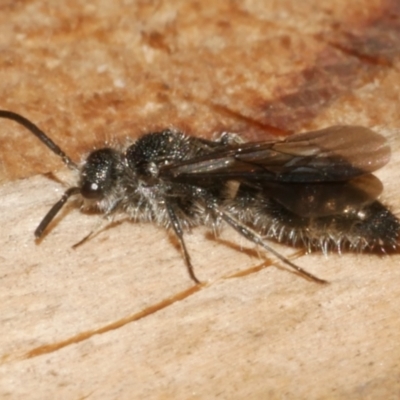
x=314 y=174
x=338 y=153
x=325 y=198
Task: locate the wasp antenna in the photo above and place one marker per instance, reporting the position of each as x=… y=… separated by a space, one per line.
x=40 y=135
x=54 y=210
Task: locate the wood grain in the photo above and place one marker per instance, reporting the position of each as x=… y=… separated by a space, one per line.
x=118 y=317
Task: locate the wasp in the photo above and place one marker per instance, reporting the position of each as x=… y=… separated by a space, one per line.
x=313 y=190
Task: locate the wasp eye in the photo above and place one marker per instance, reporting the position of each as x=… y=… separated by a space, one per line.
x=91 y=190
x=100 y=173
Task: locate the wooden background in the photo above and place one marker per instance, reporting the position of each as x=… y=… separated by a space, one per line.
x=119 y=317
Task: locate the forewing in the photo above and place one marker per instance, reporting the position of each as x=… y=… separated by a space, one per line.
x=337 y=153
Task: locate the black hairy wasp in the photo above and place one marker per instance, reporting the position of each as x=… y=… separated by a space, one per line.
x=313 y=190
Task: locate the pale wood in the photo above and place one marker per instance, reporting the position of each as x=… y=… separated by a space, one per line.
x=82 y=323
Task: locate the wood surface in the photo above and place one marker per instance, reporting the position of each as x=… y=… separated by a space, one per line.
x=118 y=317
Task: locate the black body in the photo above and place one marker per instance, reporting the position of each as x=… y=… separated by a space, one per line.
x=313 y=190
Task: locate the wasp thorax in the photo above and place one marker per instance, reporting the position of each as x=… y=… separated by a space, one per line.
x=100 y=173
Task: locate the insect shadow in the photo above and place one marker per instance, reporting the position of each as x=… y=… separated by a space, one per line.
x=313 y=190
